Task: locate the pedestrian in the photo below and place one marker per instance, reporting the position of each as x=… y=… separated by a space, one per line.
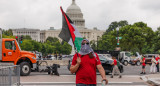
x=84 y=65
x=60 y=56
x=115 y=67
x=153 y=66
x=143 y=65
x=157 y=64
x=55 y=55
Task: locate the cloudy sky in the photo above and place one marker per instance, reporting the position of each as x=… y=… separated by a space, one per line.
x=43 y=14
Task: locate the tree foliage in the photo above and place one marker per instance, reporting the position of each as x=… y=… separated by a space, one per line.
x=137 y=37
x=116 y=24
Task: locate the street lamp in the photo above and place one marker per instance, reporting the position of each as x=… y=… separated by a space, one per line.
x=97 y=42
x=118 y=48
x=117 y=36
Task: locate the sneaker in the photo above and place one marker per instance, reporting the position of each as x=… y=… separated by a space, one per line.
x=141 y=73
x=111 y=76
x=144 y=73
x=120 y=76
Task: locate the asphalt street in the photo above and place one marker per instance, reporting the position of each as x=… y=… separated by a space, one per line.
x=128 y=70
x=131 y=77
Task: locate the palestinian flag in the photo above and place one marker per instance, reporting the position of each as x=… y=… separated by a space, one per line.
x=69 y=32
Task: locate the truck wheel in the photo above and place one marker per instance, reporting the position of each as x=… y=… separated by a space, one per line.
x=25 y=69
x=107 y=73
x=69 y=65
x=121 y=69
x=125 y=63
x=138 y=63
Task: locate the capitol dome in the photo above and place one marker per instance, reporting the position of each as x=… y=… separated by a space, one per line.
x=73 y=8
x=75 y=14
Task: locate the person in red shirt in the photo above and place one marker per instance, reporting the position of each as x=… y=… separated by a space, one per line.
x=157 y=65
x=115 y=68
x=143 y=65
x=84 y=64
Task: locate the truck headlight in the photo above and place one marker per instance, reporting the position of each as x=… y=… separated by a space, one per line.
x=33 y=58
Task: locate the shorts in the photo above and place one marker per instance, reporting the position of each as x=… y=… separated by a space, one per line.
x=143 y=67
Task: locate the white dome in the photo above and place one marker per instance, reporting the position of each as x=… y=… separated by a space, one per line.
x=75 y=14
x=73 y=8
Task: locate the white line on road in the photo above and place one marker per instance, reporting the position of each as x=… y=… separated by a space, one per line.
x=109 y=75
x=70 y=82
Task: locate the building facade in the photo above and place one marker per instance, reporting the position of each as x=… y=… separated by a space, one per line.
x=75 y=14
x=33 y=33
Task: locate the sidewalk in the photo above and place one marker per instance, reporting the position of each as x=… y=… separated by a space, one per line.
x=153 y=79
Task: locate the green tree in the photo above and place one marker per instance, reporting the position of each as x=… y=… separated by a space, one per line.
x=27 y=37
x=66 y=48
x=7 y=32
x=37 y=45
x=136 y=37
x=93 y=44
x=52 y=40
x=116 y=24
x=27 y=45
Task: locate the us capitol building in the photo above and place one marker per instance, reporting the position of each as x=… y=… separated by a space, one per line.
x=75 y=14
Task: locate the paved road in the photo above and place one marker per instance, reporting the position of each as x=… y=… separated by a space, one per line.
x=43 y=79
x=131 y=77
x=128 y=70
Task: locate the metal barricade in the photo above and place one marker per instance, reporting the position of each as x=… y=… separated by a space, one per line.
x=9 y=75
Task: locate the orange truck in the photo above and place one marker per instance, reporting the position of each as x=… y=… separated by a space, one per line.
x=10 y=52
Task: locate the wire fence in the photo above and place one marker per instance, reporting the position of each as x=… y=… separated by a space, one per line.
x=9 y=75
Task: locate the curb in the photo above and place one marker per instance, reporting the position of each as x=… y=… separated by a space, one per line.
x=152 y=81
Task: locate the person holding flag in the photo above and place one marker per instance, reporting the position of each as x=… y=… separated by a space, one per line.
x=85 y=62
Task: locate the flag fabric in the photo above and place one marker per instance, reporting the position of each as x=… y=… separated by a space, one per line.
x=69 y=32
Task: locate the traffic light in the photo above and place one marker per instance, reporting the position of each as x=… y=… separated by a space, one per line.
x=21 y=39
x=17 y=38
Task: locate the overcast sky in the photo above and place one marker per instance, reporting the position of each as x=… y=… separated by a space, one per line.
x=43 y=14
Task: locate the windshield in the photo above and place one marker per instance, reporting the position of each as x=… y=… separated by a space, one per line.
x=101 y=57
x=18 y=45
x=109 y=56
x=128 y=54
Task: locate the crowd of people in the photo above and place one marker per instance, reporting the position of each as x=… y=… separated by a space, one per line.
x=154 y=68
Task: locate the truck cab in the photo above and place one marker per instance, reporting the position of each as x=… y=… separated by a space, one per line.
x=125 y=57
x=10 y=52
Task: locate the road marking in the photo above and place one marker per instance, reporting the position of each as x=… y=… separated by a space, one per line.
x=70 y=82
x=109 y=75
x=67 y=75
x=130 y=75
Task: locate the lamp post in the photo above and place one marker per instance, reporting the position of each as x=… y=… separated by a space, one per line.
x=97 y=42
x=118 y=48
x=117 y=36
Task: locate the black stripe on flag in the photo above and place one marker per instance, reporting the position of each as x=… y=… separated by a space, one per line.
x=65 y=33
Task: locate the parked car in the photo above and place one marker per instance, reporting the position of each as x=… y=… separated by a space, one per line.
x=106 y=55
x=50 y=57
x=106 y=63
x=136 y=60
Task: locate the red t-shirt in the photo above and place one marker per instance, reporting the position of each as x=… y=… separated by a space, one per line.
x=86 y=73
x=157 y=58
x=143 y=62
x=115 y=62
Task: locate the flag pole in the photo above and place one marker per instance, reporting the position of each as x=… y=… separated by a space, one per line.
x=69 y=31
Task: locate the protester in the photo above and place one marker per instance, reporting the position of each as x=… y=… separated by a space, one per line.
x=153 y=66
x=115 y=68
x=157 y=64
x=143 y=65
x=84 y=65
